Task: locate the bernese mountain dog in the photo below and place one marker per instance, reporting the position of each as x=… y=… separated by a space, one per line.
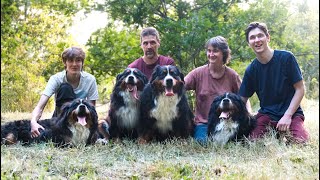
x=165 y=112
x=76 y=125
x=229 y=119
x=124 y=109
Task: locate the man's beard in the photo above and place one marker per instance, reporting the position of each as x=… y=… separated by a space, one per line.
x=150 y=54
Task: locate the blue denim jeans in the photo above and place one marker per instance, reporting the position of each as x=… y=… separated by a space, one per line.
x=200 y=133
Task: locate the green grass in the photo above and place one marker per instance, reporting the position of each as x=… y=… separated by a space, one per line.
x=268 y=158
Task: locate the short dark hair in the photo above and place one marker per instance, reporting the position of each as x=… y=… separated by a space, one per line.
x=222 y=44
x=149 y=31
x=73 y=52
x=254 y=25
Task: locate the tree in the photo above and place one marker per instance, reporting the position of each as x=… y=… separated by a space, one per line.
x=111 y=51
x=33 y=35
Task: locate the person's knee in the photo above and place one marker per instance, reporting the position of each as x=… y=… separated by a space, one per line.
x=299 y=133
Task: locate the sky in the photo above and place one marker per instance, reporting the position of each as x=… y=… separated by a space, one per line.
x=85 y=25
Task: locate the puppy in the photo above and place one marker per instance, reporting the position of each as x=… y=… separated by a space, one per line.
x=165 y=112
x=229 y=119
x=76 y=125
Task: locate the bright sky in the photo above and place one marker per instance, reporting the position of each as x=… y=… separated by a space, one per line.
x=85 y=25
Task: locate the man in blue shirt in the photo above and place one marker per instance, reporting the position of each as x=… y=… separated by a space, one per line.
x=275 y=76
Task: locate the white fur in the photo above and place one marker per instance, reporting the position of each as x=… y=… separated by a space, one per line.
x=168 y=76
x=224 y=130
x=165 y=111
x=135 y=80
x=80 y=134
x=128 y=114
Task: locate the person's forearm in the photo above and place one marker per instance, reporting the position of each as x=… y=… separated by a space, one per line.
x=36 y=114
x=93 y=102
x=249 y=108
x=295 y=102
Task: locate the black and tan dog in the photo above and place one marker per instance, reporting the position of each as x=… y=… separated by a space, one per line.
x=165 y=112
x=124 y=110
x=229 y=119
x=76 y=125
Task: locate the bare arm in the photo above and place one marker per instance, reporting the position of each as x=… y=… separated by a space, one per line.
x=297 y=98
x=93 y=102
x=285 y=122
x=248 y=104
x=36 y=115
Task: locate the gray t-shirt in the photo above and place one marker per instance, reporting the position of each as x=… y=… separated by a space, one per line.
x=87 y=88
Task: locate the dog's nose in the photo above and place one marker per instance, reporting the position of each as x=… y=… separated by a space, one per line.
x=225 y=100
x=82 y=107
x=130 y=79
x=169 y=82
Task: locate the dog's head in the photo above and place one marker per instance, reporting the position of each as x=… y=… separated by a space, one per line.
x=228 y=105
x=79 y=111
x=167 y=79
x=131 y=80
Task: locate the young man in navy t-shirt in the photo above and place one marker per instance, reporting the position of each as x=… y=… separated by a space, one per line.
x=275 y=76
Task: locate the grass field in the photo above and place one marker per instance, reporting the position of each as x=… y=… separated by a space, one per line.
x=268 y=158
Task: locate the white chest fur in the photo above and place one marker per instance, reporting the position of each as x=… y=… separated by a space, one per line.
x=165 y=111
x=80 y=134
x=224 y=131
x=128 y=114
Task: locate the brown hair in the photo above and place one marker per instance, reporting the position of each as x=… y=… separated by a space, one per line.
x=222 y=44
x=254 y=25
x=149 y=31
x=72 y=53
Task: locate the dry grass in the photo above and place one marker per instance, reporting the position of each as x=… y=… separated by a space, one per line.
x=177 y=159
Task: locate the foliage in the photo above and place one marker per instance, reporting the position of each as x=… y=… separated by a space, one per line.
x=293 y=27
x=32 y=38
x=184 y=28
x=111 y=51
x=34 y=33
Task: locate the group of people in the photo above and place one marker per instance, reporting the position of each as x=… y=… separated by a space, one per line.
x=274 y=75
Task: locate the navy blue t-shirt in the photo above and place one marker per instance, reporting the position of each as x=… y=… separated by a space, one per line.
x=273 y=83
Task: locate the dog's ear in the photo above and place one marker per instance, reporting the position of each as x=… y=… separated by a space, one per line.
x=66 y=109
x=142 y=77
x=180 y=74
x=120 y=75
x=93 y=113
x=154 y=73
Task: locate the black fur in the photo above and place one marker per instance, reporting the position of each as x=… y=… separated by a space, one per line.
x=62 y=130
x=236 y=126
x=125 y=104
x=165 y=111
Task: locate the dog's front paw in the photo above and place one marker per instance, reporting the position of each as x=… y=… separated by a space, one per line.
x=141 y=140
x=102 y=141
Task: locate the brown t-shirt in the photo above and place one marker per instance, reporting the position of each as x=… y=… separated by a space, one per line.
x=207 y=88
x=147 y=69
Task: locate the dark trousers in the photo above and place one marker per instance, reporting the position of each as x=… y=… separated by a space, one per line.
x=297 y=130
x=65 y=94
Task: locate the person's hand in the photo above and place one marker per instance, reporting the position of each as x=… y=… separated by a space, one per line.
x=284 y=123
x=35 y=129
